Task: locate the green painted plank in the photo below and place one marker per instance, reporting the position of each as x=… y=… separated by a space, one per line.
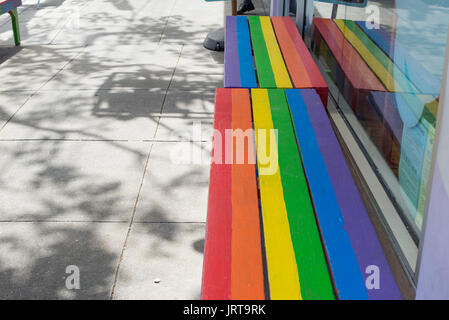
x=15 y=26
x=399 y=77
x=312 y=268
x=264 y=70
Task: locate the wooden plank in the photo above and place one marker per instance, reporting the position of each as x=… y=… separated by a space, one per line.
x=295 y=64
x=392 y=78
x=277 y=62
x=357 y=222
x=265 y=73
x=245 y=56
x=281 y=263
x=313 y=274
x=355 y=69
x=301 y=66
x=216 y=284
x=342 y=259
x=232 y=63
x=247 y=279
x=412 y=69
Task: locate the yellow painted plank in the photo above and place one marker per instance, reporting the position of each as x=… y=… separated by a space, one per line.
x=382 y=73
x=277 y=61
x=281 y=263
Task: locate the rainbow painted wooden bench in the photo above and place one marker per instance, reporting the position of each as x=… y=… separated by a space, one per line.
x=306 y=234
x=269 y=53
x=10 y=6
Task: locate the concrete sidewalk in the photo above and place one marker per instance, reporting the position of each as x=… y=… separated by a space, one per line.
x=95 y=110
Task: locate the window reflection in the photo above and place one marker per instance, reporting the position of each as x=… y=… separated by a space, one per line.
x=390 y=76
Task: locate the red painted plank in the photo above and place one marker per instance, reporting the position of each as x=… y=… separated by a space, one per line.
x=303 y=70
x=247 y=281
x=217 y=251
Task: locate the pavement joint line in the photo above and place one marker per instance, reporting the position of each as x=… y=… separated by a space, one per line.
x=141 y=183
x=69 y=19
x=151 y=90
x=101 y=140
x=128 y=233
x=168 y=89
x=100 y=221
x=167 y=20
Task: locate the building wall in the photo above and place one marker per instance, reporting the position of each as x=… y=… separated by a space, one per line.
x=433 y=281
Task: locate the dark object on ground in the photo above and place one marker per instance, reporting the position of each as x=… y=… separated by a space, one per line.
x=246 y=6
x=215 y=40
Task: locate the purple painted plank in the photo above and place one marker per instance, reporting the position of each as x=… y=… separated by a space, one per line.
x=232 y=67
x=356 y=220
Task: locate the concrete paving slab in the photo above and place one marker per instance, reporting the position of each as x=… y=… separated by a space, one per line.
x=197 y=59
x=171 y=252
x=139 y=67
x=34 y=257
x=103 y=11
x=122 y=33
x=187 y=116
x=179 y=128
x=10 y=102
x=176 y=184
x=35 y=30
x=31 y=67
x=70 y=180
x=190 y=104
x=124 y=77
x=101 y=57
x=191 y=32
x=117 y=114
x=194 y=81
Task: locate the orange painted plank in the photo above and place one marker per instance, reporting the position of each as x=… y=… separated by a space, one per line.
x=295 y=64
x=247 y=281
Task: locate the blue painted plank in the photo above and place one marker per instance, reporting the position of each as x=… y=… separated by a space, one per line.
x=247 y=71
x=357 y=222
x=348 y=279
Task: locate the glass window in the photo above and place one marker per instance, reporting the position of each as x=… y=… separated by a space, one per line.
x=385 y=61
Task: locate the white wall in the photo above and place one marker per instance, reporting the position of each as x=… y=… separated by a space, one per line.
x=433 y=281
